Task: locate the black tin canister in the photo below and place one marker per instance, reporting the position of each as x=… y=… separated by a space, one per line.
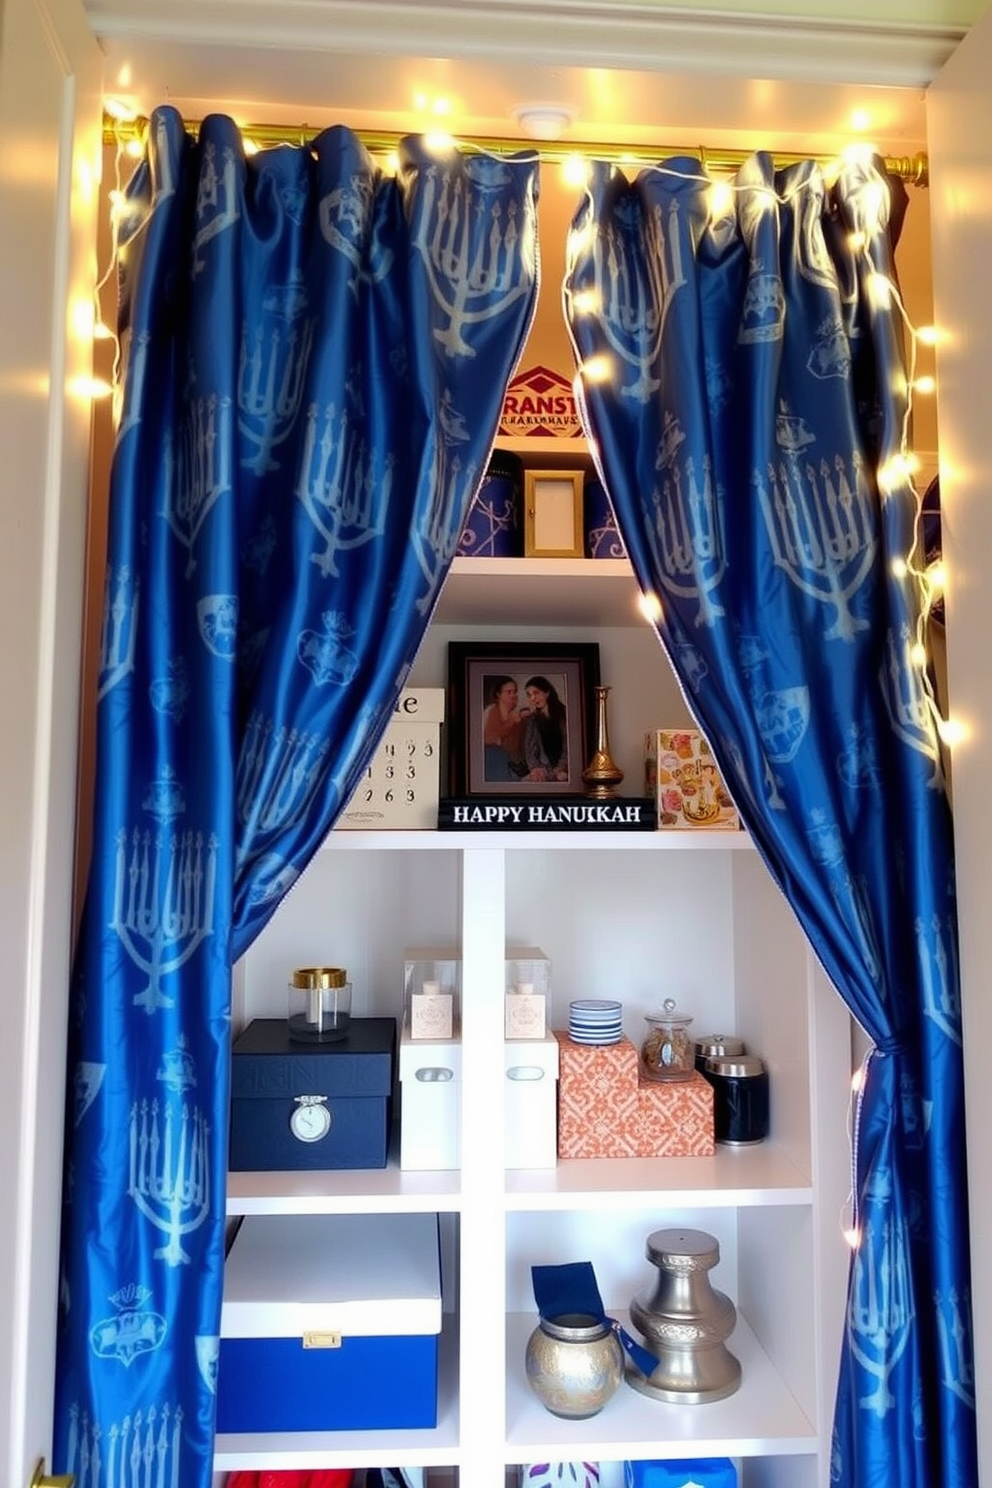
x=740 y=1099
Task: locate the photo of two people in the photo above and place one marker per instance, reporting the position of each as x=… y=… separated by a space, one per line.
x=525 y=728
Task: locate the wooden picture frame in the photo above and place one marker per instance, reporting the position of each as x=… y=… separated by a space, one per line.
x=553 y=525
x=492 y=754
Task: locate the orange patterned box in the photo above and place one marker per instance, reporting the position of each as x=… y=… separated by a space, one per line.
x=605 y=1109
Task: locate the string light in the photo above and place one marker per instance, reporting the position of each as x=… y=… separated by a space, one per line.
x=89 y=388
x=952 y=731
x=118 y=110
x=575 y=171
x=721 y=200
x=586 y=301
x=597 y=368
x=936 y=577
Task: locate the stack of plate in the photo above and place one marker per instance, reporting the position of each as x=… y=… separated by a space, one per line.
x=595 y=1020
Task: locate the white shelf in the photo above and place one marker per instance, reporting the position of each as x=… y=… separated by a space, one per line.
x=589 y=592
x=346 y=1191
x=732 y=1178
x=762 y=1418
x=698 y=839
x=256 y=1451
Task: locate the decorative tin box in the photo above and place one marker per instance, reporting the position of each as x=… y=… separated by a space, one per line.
x=299 y=1105
x=401 y=786
x=602 y=537
x=330 y=1322
x=680 y=774
x=495 y=524
x=430 y=1103
x=606 y=1110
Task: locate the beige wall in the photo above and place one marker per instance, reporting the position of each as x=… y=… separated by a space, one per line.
x=913 y=12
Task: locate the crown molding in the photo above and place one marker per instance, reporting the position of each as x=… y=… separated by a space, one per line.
x=560 y=33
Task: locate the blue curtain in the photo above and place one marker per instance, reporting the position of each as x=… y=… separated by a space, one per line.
x=749 y=425
x=315 y=356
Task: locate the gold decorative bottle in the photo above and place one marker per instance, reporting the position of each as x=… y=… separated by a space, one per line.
x=602 y=775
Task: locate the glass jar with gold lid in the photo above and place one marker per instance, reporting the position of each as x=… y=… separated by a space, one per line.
x=319 y=1004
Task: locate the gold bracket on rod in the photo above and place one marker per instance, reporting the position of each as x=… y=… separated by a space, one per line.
x=913 y=169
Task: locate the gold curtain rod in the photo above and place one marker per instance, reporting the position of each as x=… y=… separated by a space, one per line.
x=913 y=169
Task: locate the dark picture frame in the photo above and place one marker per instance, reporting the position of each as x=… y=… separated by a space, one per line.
x=523 y=762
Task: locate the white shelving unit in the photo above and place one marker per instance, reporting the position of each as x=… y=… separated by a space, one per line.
x=637 y=916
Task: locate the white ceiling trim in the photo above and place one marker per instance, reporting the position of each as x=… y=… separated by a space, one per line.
x=561 y=33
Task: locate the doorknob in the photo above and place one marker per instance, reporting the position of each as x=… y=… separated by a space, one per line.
x=59 y=1480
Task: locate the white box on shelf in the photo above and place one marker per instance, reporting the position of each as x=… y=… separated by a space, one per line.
x=401 y=786
x=430 y=1103
x=531 y=1102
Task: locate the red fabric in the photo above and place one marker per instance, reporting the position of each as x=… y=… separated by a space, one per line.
x=319 y=1477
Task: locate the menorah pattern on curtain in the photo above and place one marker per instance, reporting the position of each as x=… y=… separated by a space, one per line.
x=749 y=434
x=314 y=357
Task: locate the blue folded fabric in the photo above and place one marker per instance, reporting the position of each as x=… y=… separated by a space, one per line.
x=572 y=1290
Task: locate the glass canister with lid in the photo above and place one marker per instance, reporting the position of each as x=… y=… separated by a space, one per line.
x=319 y=1004
x=667 y=1049
x=715 y=1046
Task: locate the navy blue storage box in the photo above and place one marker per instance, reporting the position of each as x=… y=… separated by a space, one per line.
x=350 y=1082
x=330 y=1322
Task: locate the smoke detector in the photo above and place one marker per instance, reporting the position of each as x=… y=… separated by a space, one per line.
x=544 y=121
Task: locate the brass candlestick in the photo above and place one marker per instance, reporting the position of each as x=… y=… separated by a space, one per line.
x=602 y=775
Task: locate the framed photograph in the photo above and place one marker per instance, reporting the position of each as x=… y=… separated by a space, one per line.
x=553 y=514
x=521 y=717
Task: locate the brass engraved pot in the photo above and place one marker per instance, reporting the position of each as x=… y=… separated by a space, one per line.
x=574 y=1364
x=685 y=1322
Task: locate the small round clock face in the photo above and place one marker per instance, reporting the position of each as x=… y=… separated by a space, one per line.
x=310 y=1123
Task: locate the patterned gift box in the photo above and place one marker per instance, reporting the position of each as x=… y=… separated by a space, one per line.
x=605 y=1108
x=681 y=777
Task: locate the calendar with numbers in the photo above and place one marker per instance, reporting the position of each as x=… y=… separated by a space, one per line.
x=400 y=788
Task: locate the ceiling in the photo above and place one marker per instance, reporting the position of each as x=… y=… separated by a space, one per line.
x=624 y=72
